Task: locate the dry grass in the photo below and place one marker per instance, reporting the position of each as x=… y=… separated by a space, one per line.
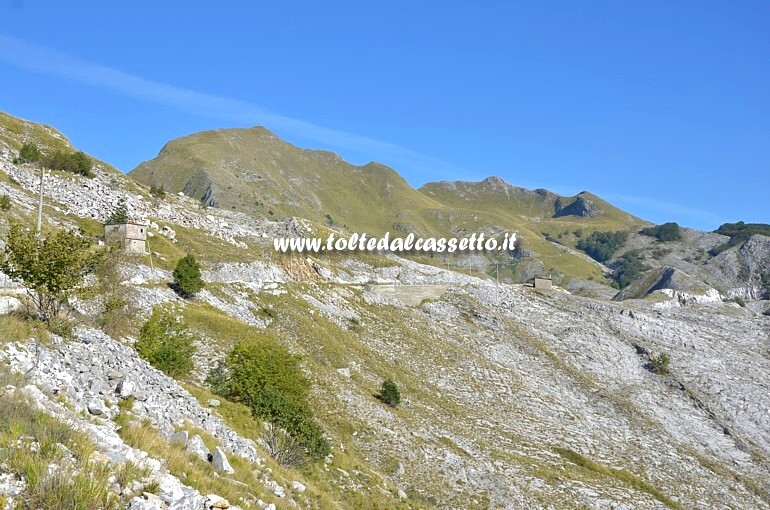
x=192 y=470
x=15 y=328
x=32 y=441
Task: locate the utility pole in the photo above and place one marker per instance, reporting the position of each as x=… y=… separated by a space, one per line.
x=40 y=201
x=497 y=273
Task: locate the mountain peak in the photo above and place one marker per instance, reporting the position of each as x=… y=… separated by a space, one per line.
x=494 y=181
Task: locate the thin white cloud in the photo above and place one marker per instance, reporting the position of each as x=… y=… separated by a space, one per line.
x=31 y=57
x=24 y=55
x=663 y=209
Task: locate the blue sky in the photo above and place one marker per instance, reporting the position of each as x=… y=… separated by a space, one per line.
x=663 y=108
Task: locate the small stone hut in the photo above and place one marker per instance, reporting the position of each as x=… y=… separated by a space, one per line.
x=543 y=283
x=131 y=237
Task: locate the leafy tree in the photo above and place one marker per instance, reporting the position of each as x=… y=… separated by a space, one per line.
x=52 y=269
x=390 y=394
x=166 y=344
x=5 y=202
x=187 y=276
x=265 y=376
x=29 y=153
x=120 y=214
x=664 y=233
x=602 y=245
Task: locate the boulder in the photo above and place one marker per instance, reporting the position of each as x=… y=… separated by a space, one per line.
x=214 y=501
x=276 y=488
x=97 y=407
x=220 y=463
x=180 y=437
x=125 y=389
x=197 y=447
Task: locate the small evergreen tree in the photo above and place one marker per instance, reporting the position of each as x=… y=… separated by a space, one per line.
x=166 y=344
x=390 y=394
x=158 y=192
x=5 y=202
x=187 y=276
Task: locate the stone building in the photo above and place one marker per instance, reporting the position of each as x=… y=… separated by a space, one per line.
x=131 y=237
x=543 y=283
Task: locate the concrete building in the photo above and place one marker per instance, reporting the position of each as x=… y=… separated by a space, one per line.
x=543 y=283
x=131 y=237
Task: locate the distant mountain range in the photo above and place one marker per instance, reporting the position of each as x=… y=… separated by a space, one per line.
x=253 y=171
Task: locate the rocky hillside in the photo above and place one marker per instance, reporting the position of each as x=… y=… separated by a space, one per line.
x=691 y=265
x=511 y=397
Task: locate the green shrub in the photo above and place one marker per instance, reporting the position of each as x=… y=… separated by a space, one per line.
x=660 y=363
x=390 y=394
x=628 y=268
x=187 y=276
x=73 y=162
x=117 y=314
x=664 y=233
x=602 y=245
x=5 y=203
x=29 y=153
x=166 y=344
x=265 y=376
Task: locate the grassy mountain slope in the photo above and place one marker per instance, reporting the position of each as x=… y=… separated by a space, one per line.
x=14 y=132
x=254 y=171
